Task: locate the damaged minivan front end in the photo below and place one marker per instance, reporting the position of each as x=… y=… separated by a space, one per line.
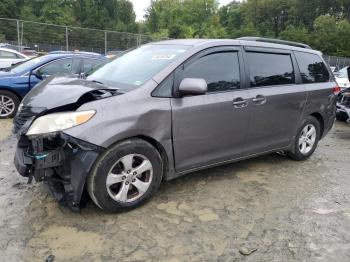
x=44 y=152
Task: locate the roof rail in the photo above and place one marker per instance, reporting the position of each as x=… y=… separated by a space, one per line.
x=274 y=41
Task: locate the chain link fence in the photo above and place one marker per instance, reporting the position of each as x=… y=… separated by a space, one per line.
x=44 y=37
x=337 y=62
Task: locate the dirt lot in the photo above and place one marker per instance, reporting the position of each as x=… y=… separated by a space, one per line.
x=272 y=207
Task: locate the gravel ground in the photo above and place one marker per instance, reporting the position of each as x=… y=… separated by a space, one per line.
x=265 y=209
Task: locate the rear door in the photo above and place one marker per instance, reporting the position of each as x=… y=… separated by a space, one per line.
x=277 y=101
x=211 y=128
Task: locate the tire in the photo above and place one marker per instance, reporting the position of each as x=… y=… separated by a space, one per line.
x=298 y=152
x=112 y=168
x=9 y=103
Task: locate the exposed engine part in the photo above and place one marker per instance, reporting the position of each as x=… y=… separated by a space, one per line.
x=61 y=161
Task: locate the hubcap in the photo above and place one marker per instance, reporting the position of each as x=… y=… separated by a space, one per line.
x=7 y=105
x=307 y=139
x=129 y=178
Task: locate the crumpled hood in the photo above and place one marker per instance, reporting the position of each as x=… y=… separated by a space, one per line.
x=59 y=91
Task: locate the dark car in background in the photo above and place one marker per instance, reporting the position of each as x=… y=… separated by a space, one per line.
x=170 y=108
x=17 y=81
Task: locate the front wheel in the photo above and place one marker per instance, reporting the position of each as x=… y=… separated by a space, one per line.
x=306 y=139
x=125 y=176
x=9 y=103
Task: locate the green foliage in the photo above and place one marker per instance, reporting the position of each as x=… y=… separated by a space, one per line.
x=185 y=18
x=323 y=24
x=100 y=14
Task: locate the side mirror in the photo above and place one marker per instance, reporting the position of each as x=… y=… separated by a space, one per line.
x=193 y=86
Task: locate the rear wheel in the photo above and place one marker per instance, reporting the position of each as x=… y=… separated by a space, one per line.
x=8 y=104
x=125 y=176
x=306 y=139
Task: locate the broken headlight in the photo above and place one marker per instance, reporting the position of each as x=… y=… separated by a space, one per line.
x=59 y=121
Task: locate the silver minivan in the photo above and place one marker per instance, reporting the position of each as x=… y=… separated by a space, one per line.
x=170 y=108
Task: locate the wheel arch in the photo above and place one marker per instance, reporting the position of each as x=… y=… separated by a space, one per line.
x=159 y=147
x=156 y=144
x=320 y=119
x=11 y=91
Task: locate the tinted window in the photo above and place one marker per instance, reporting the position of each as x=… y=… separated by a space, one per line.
x=90 y=64
x=270 y=69
x=312 y=68
x=9 y=55
x=219 y=70
x=62 y=66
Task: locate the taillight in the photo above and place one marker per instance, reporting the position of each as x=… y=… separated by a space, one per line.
x=336 y=90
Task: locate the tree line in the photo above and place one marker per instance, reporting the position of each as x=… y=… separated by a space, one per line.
x=323 y=24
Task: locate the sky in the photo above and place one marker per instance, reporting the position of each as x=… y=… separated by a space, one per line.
x=141 y=5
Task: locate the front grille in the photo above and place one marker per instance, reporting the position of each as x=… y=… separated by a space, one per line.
x=26 y=114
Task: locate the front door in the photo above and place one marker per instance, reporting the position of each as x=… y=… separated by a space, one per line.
x=211 y=128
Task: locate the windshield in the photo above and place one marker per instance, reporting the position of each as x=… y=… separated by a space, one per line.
x=26 y=66
x=343 y=73
x=136 y=67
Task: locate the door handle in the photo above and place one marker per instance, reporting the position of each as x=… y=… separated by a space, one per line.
x=239 y=102
x=259 y=100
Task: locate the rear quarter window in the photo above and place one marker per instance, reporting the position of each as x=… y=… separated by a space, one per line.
x=312 y=68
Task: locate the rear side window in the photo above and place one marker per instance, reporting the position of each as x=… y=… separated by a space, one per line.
x=219 y=70
x=7 y=55
x=312 y=68
x=267 y=69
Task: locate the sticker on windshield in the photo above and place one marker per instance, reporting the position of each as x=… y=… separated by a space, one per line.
x=163 y=57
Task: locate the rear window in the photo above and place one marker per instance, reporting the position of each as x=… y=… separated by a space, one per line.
x=268 y=69
x=312 y=68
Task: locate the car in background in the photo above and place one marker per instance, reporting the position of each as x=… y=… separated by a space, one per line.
x=18 y=80
x=30 y=52
x=9 y=57
x=342 y=77
x=333 y=69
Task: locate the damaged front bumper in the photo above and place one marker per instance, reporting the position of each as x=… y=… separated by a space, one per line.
x=343 y=112
x=61 y=161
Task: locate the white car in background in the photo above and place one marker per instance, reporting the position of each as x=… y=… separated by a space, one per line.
x=8 y=57
x=342 y=78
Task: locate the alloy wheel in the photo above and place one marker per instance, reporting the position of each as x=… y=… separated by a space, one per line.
x=7 y=106
x=129 y=178
x=307 y=139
